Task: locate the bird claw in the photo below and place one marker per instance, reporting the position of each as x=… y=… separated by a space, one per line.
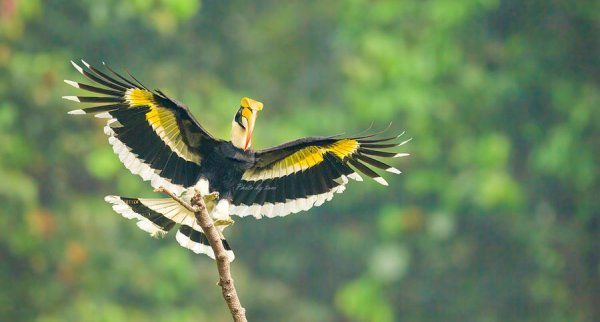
x=211 y=197
x=224 y=222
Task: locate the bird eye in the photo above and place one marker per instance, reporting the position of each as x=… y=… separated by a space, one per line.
x=238 y=117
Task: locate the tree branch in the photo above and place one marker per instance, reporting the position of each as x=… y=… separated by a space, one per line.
x=198 y=207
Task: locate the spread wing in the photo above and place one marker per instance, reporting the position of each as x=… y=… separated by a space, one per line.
x=155 y=136
x=304 y=173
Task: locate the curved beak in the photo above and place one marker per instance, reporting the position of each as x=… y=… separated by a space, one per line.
x=251 y=122
x=254 y=107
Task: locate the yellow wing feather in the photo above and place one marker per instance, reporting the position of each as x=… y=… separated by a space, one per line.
x=303 y=159
x=162 y=120
x=139 y=97
x=343 y=148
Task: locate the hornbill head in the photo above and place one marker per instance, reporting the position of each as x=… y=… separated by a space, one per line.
x=243 y=123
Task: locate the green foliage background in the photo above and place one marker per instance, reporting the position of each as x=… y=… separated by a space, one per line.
x=495 y=218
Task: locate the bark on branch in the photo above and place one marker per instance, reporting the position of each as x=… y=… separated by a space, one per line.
x=198 y=207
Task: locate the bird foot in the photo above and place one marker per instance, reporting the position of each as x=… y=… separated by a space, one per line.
x=224 y=222
x=211 y=197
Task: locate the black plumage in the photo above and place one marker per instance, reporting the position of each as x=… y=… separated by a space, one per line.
x=158 y=138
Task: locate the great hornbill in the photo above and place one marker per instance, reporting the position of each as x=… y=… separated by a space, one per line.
x=157 y=138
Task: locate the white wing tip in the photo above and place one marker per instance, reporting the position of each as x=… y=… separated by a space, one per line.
x=112 y=199
x=399 y=155
x=381 y=181
x=404 y=142
x=86 y=64
x=72 y=98
x=355 y=176
x=79 y=69
x=393 y=170
x=72 y=83
x=76 y=112
x=104 y=115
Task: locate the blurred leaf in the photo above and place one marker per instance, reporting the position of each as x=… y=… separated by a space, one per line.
x=102 y=163
x=362 y=300
x=389 y=263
